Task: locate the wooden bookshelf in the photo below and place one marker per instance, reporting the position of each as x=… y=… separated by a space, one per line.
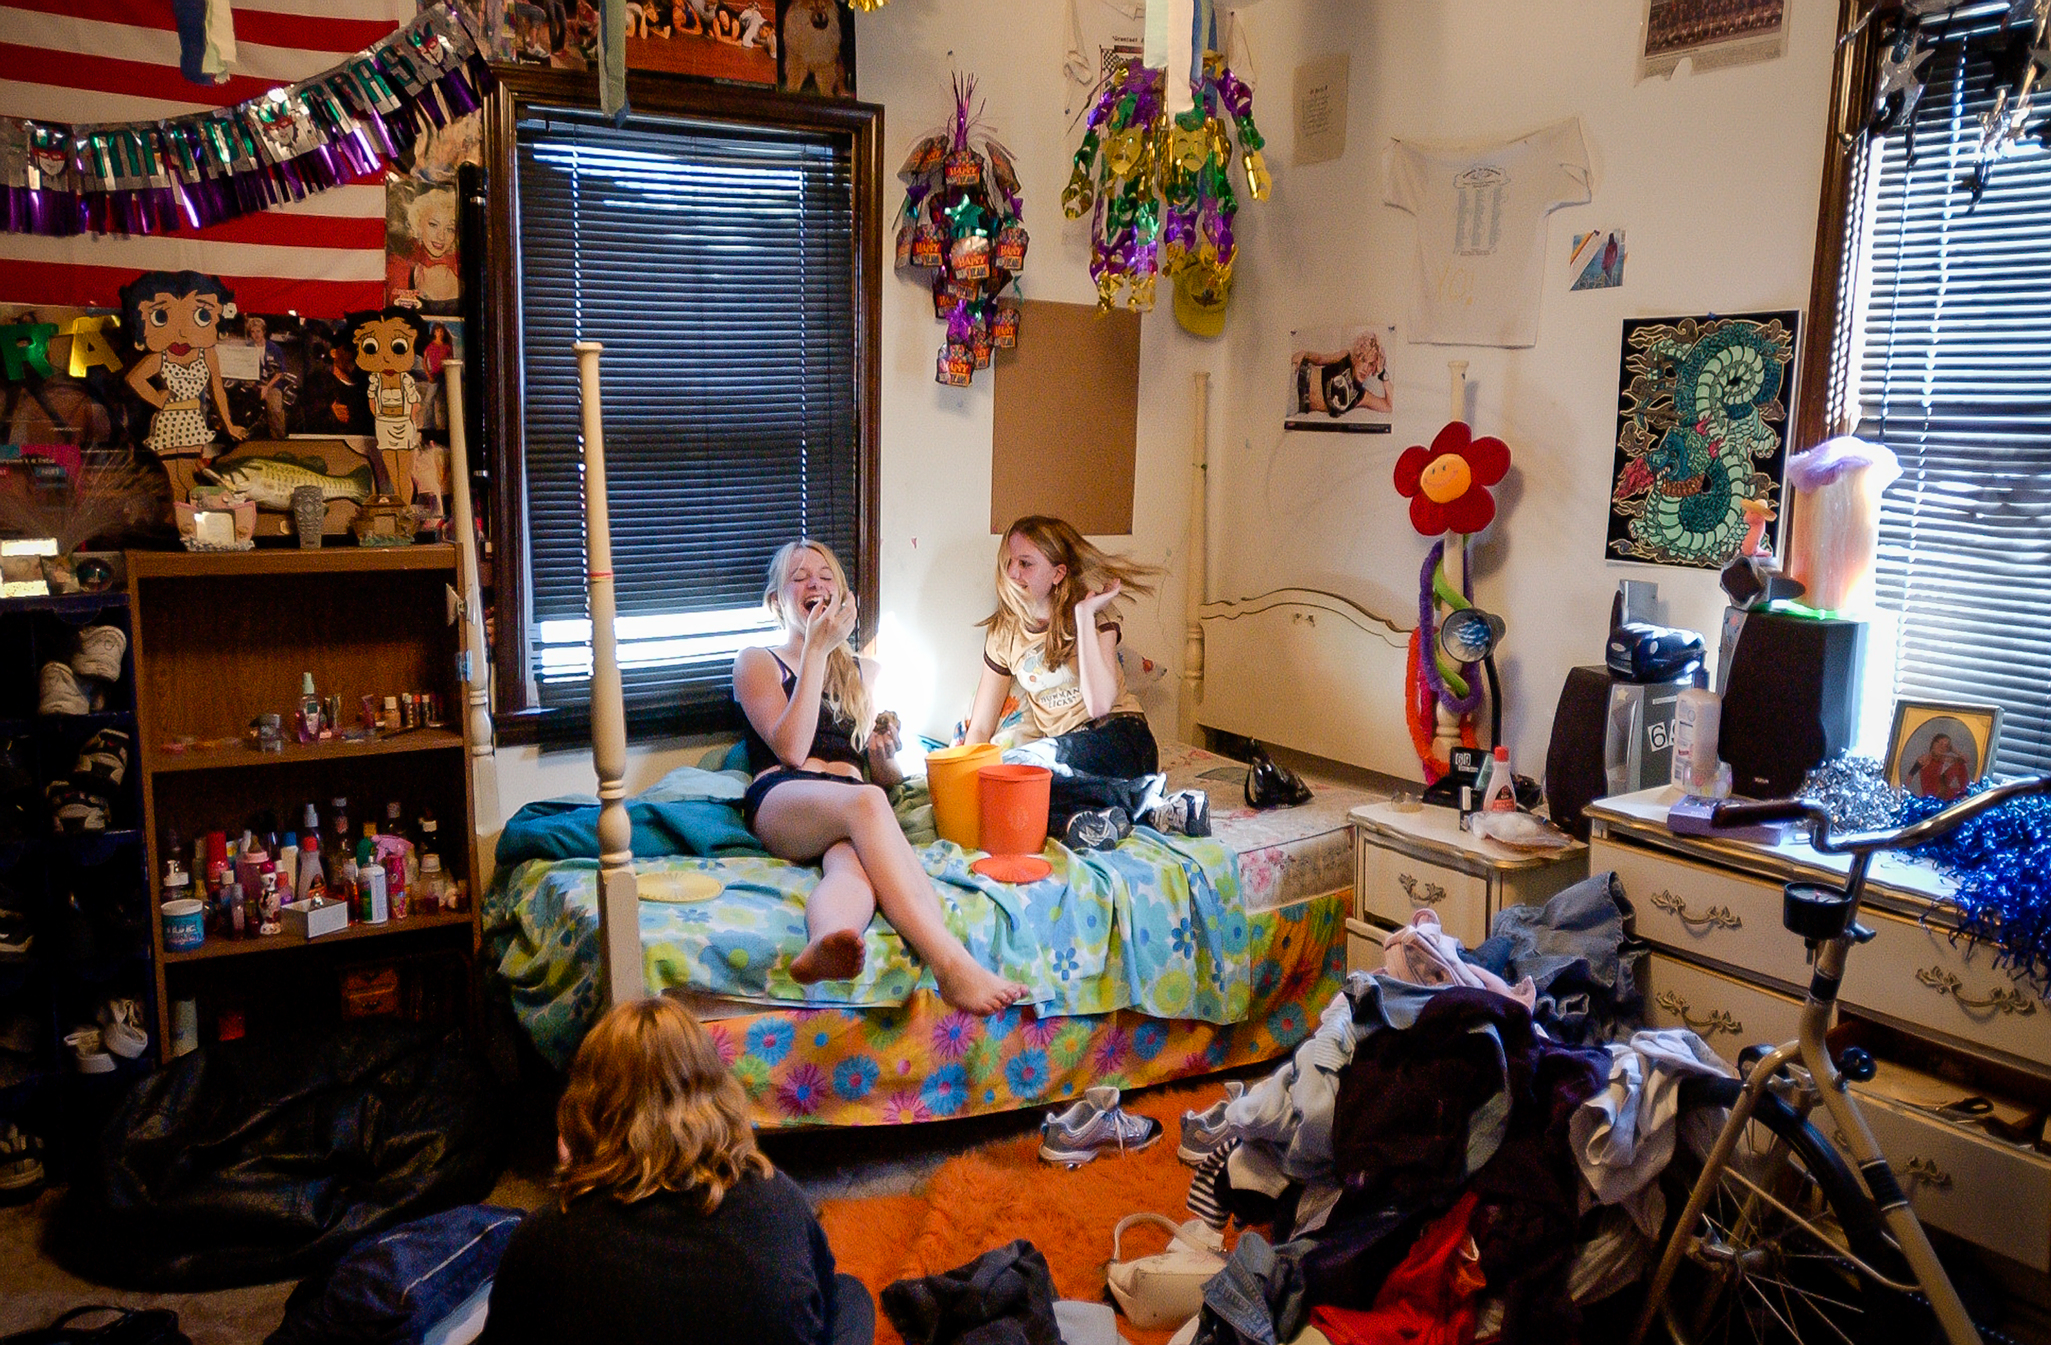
x=222 y=637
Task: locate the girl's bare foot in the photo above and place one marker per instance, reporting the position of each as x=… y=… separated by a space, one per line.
x=973 y=988
x=835 y=956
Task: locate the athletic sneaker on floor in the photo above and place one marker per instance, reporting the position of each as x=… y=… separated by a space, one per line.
x=61 y=693
x=1205 y=1132
x=75 y=810
x=1186 y=812
x=1096 y=829
x=88 y=1052
x=1094 y=1125
x=21 y=1167
x=121 y=1028
x=100 y=649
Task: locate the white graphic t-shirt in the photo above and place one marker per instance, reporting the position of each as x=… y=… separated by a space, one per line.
x=1481 y=231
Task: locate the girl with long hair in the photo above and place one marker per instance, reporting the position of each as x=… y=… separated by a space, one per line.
x=668 y=1223
x=1054 y=634
x=819 y=764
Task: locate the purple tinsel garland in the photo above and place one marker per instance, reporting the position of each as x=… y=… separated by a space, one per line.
x=194 y=171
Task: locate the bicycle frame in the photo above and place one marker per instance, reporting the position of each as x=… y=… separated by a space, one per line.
x=1810 y=1051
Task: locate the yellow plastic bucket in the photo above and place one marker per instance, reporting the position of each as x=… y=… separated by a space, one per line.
x=957 y=795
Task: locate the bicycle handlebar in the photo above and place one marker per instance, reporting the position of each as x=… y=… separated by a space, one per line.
x=1816 y=821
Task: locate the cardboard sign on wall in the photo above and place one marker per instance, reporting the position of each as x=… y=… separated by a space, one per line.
x=1066 y=419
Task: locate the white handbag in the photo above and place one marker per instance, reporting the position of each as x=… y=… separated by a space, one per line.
x=1165 y=1290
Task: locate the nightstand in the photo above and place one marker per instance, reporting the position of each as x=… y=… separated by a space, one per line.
x=1407 y=861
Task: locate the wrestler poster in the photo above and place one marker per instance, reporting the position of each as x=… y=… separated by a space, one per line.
x=1339 y=380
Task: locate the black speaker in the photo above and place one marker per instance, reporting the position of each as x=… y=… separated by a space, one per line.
x=1791 y=702
x=1574 y=775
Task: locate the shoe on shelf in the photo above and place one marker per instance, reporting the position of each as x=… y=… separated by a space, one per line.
x=1096 y=829
x=88 y=1051
x=21 y=1164
x=17 y=934
x=103 y=761
x=74 y=810
x=121 y=1028
x=1205 y=1132
x=1186 y=812
x=61 y=693
x=1092 y=1126
x=100 y=649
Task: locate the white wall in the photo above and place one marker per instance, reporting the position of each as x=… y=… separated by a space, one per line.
x=1714 y=177
x=938 y=556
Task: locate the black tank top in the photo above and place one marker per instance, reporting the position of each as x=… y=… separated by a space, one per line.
x=833 y=740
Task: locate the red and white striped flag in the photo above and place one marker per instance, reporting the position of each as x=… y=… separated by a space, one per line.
x=91 y=61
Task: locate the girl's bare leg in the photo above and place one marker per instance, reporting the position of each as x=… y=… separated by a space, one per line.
x=836 y=913
x=803 y=819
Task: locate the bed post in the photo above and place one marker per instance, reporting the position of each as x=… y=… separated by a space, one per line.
x=1193 y=591
x=619 y=905
x=475 y=663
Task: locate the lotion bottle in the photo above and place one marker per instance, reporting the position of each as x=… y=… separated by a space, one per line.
x=1502 y=784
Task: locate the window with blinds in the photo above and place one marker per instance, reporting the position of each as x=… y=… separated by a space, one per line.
x=716 y=265
x=1951 y=343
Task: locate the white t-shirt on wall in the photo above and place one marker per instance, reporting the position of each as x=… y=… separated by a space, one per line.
x=1481 y=230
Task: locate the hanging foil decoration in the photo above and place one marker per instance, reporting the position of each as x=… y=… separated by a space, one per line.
x=1158 y=188
x=964 y=219
x=189 y=172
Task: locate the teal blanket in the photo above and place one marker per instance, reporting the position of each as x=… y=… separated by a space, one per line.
x=1154 y=925
x=568 y=829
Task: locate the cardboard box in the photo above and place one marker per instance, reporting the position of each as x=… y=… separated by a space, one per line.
x=307 y=921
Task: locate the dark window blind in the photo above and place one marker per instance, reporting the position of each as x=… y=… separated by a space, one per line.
x=717 y=266
x=1954 y=374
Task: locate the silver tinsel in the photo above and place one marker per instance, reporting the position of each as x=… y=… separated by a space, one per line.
x=1855 y=792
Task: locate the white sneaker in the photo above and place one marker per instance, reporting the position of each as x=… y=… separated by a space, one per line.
x=85 y=1047
x=1186 y=812
x=61 y=694
x=121 y=1028
x=1095 y=1124
x=100 y=649
x=1205 y=1132
x=19 y=1166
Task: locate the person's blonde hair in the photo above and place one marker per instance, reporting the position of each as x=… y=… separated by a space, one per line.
x=845 y=693
x=1090 y=569
x=652 y=1107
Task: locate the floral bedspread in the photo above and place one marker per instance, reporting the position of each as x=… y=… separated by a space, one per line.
x=1155 y=925
x=922 y=1061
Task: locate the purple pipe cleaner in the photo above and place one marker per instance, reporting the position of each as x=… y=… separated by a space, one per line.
x=1427 y=643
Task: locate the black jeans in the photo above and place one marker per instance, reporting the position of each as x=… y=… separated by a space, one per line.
x=1107 y=763
x=854 y=1313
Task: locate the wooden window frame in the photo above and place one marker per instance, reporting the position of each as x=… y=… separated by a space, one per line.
x=496 y=314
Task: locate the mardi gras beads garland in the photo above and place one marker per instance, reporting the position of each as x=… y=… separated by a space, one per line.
x=963 y=218
x=1160 y=187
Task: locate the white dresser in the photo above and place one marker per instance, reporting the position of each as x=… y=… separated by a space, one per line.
x=1722 y=963
x=1408 y=858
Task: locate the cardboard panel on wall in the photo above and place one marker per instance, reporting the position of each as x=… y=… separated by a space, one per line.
x=1066 y=419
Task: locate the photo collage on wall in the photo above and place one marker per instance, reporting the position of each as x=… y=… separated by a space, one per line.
x=803 y=46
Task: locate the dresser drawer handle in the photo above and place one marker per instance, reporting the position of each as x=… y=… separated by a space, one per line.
x=2001 y=999
x=1716 y=917
x=1433 y=894
x=1717 y=1021
x=1923 y=1170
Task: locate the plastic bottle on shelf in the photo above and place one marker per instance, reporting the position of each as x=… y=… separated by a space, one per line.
x=1502 y=784
x=432 y=894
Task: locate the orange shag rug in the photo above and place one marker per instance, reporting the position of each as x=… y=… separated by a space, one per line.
x=988 y=1196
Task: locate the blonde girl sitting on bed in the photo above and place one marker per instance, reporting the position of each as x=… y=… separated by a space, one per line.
x=1054 y=634
x=818 y=765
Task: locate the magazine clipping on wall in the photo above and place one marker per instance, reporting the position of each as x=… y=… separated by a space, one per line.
x=804 y=46
x=1710 y=34
x=1598 y=260
x=1702 y=412
x=1339 y=379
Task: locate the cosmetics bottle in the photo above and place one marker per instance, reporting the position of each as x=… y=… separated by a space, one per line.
x=311 y=882
x=1502 y=784
x=433 y=892
x=309 y=710
x=374 y=892
x=238 y=913
x=391 y=715
x=1698 y=716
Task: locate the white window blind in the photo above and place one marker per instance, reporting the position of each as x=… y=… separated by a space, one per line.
x=1953 y=342
x=717 y=266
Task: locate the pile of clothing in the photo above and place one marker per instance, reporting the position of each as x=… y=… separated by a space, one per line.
x=1467 y=1147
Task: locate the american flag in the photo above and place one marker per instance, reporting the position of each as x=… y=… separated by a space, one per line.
x=89 y=61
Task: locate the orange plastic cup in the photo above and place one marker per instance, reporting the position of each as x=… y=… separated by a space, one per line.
x=1014 y=811
x=951 y=778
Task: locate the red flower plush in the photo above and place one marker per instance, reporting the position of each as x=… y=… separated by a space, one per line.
x=1447 y=484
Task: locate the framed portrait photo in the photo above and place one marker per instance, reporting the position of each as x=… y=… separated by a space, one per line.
x=1937 y=750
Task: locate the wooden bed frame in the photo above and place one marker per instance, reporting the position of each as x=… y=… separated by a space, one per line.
x=1302 y=668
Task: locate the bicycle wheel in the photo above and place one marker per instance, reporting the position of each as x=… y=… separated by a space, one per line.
x=1759 y=1270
